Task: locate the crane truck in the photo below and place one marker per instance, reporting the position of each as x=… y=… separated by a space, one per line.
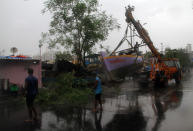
x=162 y=69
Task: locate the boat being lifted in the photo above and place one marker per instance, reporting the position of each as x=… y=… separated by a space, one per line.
x=119 y=64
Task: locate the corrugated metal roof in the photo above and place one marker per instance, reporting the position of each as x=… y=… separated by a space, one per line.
x=7 y=60
x=11 y=57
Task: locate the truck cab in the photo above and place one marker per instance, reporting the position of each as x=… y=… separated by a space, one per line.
x=167 y=69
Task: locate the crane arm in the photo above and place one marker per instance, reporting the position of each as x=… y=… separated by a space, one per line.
x=142 y=32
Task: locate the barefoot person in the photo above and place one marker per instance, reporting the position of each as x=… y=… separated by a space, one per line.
x=98 y=92
x=31 y=86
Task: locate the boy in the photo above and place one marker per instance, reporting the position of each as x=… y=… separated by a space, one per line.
x=98 y=92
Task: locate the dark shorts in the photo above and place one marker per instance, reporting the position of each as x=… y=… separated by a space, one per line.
x=30 y=100
x=98 y=97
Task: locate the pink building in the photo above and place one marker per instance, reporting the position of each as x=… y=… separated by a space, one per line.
x=15 y=70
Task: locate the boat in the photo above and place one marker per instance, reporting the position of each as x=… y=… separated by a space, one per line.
x=119 y=64
x=117 y=67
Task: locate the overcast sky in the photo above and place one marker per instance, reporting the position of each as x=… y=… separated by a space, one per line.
x=168 y=21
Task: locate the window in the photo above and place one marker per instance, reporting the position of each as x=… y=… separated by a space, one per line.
x=170 y=63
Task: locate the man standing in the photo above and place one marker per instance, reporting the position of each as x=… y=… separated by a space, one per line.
x=98 y=92
x=31 y=86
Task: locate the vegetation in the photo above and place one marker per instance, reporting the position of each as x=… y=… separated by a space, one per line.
x=13 y=50
x=183 y=57
x=181 y=54
x=63 y=56
x=77 y=25
x=65 y=91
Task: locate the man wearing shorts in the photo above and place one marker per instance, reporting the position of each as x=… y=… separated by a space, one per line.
x=98 y=92
x=31 y=86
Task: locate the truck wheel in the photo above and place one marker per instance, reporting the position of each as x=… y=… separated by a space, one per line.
x=157 y=79
x=165 y=82
x=178 y=78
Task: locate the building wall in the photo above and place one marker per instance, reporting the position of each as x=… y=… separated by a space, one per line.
x=17 y=72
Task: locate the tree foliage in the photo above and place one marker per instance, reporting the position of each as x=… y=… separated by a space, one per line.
x=63 y=56
x=66 y=89
x=13 y=50
x=180 y=54
x=78 y=25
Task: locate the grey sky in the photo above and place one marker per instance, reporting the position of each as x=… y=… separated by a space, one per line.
x=21 y=25
x=168 y=21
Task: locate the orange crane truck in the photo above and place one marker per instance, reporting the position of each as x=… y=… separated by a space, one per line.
x=162 y=69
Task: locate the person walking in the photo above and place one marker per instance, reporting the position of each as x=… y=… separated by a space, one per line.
x=31 y=87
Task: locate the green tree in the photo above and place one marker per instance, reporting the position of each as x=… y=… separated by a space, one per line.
x=78 y=25
x=180 y=54
x=13 y=50
x=63 y=56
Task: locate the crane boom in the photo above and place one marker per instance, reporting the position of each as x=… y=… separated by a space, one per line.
x=160 y=70
x=142 y=32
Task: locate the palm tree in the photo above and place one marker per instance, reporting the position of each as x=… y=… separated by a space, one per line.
x=13 y=50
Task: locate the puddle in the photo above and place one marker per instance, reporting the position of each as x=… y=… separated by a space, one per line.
x=132 y=108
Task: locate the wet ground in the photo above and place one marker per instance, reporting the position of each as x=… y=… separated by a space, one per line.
x=128 y=106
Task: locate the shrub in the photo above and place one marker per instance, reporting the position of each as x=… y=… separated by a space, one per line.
x=65 y=90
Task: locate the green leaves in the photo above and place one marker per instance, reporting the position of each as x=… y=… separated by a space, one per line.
x=183 y=57
x=66 y=90
x=78 y=25
x=79 y=10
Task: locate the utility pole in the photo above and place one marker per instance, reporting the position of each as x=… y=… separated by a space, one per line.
x=40 y=46
x=40 y=66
